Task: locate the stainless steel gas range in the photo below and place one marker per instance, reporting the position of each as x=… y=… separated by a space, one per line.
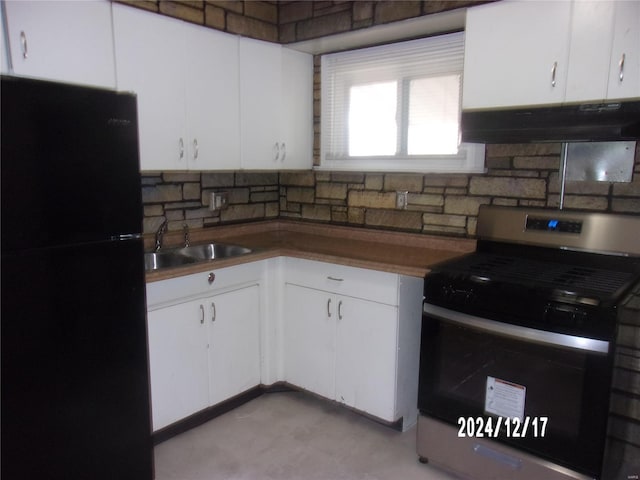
x=518 y=345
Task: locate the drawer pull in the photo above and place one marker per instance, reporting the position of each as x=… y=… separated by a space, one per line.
x=211 y=278
x=335 y=279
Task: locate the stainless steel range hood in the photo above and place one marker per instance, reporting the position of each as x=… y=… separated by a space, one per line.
x=587 y=122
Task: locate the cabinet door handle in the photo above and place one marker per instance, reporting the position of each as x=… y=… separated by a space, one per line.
x=213 y=315
x=284 y=151
x=181 y=148
x=340 y=310
x=554 y=68
x=201 y=314
x=23 y=42
x=621 y=63
x=195 y=148
x=329 y=308
x=276 y=150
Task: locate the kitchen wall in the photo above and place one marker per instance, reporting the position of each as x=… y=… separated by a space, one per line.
x=517 y=175
x=288 y=21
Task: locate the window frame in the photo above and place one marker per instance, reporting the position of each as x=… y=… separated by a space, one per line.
x=468 y=159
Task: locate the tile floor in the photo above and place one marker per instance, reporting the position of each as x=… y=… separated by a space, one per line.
x=292 y=435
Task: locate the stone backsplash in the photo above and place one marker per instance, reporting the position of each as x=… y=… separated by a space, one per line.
x=517 y=175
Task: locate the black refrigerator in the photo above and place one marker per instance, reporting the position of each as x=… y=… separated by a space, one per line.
x=74 y=372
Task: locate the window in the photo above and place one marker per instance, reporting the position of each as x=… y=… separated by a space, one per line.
x=396 y=108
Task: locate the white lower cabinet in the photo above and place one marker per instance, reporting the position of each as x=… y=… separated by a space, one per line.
x=341 y=342
x=347 y=334
x=177 y=362
x=205 y=350
x=309 y=339
x=366 y=356
x=234 y=343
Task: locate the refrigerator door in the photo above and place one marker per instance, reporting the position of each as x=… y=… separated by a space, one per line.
x=75 y=388
x=69 y=164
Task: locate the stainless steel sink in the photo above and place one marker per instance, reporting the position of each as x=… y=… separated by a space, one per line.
x=165 y=259
x=175 y=257
x=213 y=251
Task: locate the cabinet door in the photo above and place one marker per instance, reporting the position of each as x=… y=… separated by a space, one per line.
x=150 y=56
x=4 y=58
x=62 y=40
x=234 y=343
x=309 y=339
x=590 y=52
x=626 y=42
x=212 y=99
x=512 y=52
x=366 y=356
x=260 y=104
x=297 y=110
x=178 y=362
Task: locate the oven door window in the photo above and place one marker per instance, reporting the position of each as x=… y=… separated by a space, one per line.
x=569 y=387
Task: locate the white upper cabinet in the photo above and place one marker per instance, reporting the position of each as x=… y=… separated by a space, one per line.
x=297 y=110
x=591 y=39
x=260 y=103
x=150 y=52
x=212 y=104
x=276 y=106
x=66 y=41
x=186 y=79
x=517 y=53
x=4 y=58
x=624 y=69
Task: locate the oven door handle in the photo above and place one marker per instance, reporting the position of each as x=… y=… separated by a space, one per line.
x=517 y=331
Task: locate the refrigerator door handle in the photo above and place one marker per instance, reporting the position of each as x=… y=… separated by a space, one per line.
x=127 y=236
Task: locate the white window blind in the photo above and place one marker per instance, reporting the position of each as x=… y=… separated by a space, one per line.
x=396 y=107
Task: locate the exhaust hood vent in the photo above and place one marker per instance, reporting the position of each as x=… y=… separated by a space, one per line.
x=578 y=123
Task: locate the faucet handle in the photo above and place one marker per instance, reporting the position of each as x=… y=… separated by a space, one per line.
x=159 y=233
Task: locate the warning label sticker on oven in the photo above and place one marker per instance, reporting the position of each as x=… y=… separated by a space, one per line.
x=505 y=399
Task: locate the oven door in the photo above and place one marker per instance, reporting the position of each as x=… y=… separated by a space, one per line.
x=473 y=368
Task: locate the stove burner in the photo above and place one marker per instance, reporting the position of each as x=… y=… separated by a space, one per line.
x=565 y=281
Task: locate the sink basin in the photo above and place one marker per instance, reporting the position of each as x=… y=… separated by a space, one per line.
x=175 y=257
x=213 y=251
x=165 y=259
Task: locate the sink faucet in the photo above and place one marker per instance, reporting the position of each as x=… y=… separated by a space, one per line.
x=159 y=233
x=185 y=230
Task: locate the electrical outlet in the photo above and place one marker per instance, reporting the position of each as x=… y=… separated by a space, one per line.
x=218 y=201
x=401 y=200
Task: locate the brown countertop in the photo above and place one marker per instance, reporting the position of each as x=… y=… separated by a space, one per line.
x=402 y=253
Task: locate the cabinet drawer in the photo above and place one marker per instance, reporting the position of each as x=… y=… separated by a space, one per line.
x=381 y=287
x=174 y=290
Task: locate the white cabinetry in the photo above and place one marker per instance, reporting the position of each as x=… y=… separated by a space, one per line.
x=234 y=344
x=517 y=53
x=309 y=339
x=186 y=79
x=352 y=335
x=624 y=69
x=62 y=40
x=203 y=340
x=366 y=356
x=276 y=106
x=178 y=362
